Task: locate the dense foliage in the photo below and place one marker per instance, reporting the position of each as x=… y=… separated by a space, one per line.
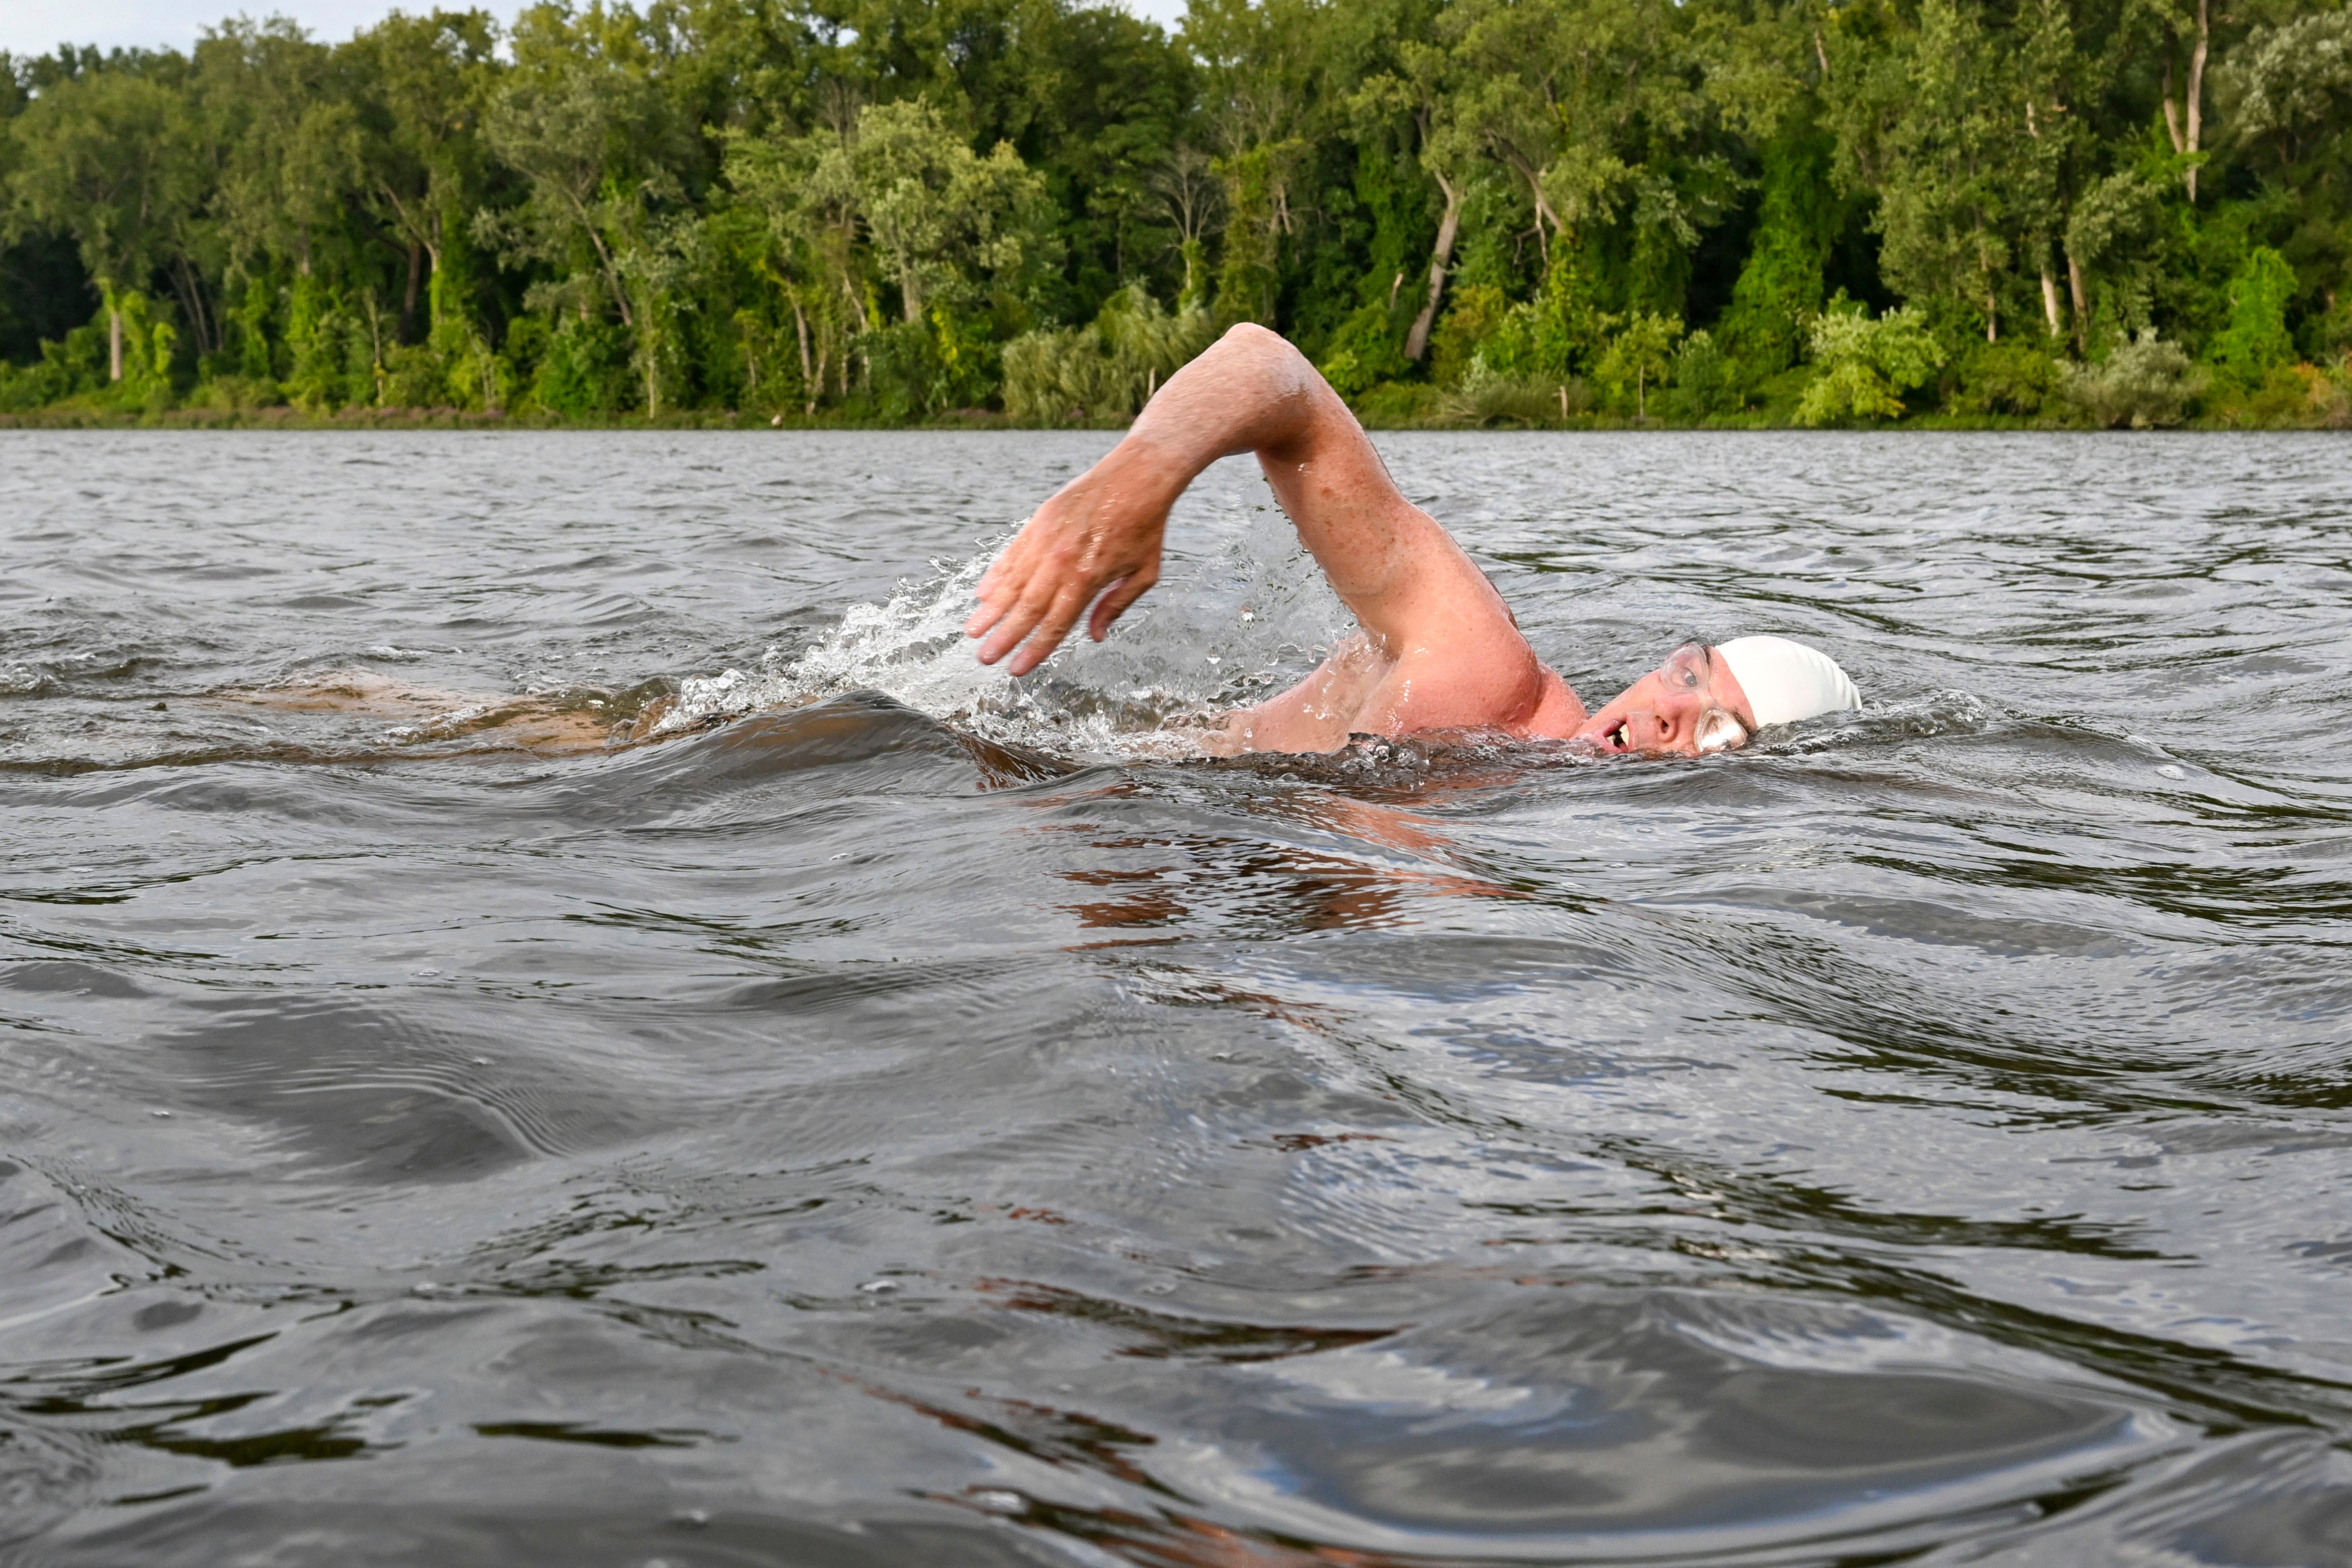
x=1473 y=211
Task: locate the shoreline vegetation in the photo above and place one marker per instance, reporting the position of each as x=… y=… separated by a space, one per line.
x=991 y=214
x=355 y=418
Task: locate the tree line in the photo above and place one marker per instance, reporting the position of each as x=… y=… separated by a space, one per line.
x=1463 y=211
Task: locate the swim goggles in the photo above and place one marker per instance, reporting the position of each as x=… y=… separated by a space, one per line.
x=1689 y=671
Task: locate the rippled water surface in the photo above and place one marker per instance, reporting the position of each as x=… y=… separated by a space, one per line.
x=889 y=1118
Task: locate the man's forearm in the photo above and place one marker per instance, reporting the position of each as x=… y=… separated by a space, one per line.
x=1250 y=391
x=1097 y=541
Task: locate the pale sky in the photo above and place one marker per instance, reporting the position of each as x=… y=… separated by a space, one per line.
x=37 y=26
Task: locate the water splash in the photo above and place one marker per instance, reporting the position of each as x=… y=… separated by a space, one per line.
x=1246 y=618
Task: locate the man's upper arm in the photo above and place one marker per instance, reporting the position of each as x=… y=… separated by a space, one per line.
x=1403 y=575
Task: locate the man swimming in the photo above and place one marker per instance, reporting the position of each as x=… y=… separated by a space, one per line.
x=1438 y=649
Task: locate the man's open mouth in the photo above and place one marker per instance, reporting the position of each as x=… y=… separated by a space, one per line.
x=1621 y=737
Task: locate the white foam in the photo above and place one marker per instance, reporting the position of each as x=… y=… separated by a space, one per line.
x=1252 y=614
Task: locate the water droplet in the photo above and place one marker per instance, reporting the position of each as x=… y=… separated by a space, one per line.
x=997 y=1501
x=878 y=1287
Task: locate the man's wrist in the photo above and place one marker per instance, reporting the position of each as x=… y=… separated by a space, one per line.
x=1155 y=470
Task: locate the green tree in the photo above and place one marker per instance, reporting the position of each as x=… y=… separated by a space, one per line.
x=1639 y=354
x=2256 y=337
x=1863 y=367
x=941 y=218
x=106 y=158
x=423 y=85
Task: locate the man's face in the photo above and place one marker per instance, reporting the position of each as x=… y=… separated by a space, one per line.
x=1691 y=703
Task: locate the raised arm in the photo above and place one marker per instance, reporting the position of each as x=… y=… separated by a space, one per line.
x=1451 y=651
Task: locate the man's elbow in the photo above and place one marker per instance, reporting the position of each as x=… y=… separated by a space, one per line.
x=1250 y=340
x=1284 y=372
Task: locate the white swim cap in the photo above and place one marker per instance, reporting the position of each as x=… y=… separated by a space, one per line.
x=1786 y=681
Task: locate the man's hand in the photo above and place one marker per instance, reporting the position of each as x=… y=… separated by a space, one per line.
x=1097 y=542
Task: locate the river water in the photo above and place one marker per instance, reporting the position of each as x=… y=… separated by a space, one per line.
x=899 y=1118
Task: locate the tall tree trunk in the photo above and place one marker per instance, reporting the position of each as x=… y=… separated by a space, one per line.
x=113 y=341
x=191 y=290
x=1543 y=210
x=612 y=277
x=1416 y=341
x=651 y=348
x=2082 y=303
x=408 y=300
x=2195 y=107
x=808 y=377
x=1992 y=317
x=2185 y=138
x=2050 y=300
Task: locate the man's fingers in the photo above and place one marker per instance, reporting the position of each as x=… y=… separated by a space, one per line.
x=1115 y=602
x=1067 y=606
x=995 y=604
x=1041 y=593
x=1000 y=586
x=1106 y=608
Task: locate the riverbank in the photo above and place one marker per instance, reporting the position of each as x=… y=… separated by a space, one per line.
x=2317 y=416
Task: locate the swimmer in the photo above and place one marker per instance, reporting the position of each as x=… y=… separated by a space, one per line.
x=1438 y=649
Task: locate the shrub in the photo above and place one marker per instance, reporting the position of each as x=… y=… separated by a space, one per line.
x=1489 y=397
x=1478 y=309
x=1864 y=367
x=2143 y=383
x=1364 y=351
x=1101 y=374
x=929 y=366
x=234 y=394
x=74 y=367
x=2330 y=333
x=1705 y=379
x=2256 y=339
x=415 y=377
x=2331 y=394
x=2005 y=378
x=1397 y=405
x=2290 y=396
x=1638 y=359
x=585 y=370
